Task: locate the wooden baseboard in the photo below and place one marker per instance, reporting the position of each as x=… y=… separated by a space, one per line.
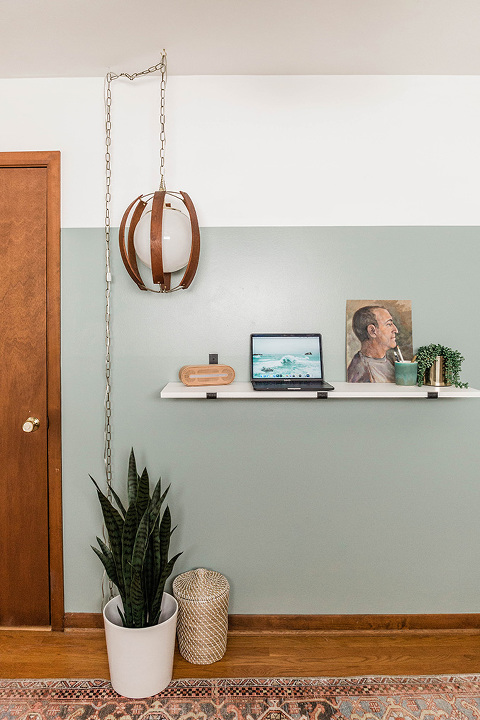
x=83 y=621
x=352 y=623
x=281 y=624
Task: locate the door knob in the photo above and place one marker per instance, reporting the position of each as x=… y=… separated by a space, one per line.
x=31 y=424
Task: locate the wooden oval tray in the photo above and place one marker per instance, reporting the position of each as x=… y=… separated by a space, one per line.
x=195 y=375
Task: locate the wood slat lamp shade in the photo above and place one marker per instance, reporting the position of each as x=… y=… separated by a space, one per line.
x=132 y=216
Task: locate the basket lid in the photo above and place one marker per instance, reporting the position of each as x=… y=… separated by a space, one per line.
x=200 y=584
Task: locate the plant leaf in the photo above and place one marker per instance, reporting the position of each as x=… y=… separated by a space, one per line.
x=122 y=617
x=165 y=526
x=128 y=540
x=156 y=493
x=112 y=574
x=143 y=494
x=141 y=543
x=149 y=573
x=132 y=478
x=108 y=563
x=106 y=551
x=157 y=603
x=107 y=505
x=137 y=601
x=158 y=499
x=156 y=555
x=114 y=524
x=119 y=502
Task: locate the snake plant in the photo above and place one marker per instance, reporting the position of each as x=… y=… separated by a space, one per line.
x=136 y=559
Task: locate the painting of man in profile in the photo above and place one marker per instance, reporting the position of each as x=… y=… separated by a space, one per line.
x=378 y=333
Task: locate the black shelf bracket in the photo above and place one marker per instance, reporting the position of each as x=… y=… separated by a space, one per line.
x=432 y=395
x=211 y=396
x=213 y=359
x=322 y=395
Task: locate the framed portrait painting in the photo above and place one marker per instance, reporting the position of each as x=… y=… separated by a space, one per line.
x=378 y=333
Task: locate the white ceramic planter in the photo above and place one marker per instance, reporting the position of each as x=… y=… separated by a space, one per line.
x=140 y=660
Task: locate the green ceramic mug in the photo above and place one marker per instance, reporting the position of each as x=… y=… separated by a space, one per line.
x=406 y=373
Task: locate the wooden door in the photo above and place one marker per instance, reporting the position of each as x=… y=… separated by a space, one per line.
x=31 y=565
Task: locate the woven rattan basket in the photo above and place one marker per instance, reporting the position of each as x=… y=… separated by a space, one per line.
x=202 y=597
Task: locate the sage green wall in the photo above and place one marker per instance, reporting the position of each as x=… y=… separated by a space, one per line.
x=306 y=506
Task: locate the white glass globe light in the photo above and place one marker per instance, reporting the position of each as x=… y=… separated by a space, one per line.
x=176 y=239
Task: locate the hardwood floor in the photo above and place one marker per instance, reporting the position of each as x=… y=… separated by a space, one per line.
x=82 y=654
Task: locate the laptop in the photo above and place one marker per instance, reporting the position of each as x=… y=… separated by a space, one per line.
x=287 y=361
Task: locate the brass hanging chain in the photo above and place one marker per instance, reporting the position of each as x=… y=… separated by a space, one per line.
x=107 y=454
x=163 y=85
x=107 y=451
x=107 y=585
x=162 y=68
x=153 y=68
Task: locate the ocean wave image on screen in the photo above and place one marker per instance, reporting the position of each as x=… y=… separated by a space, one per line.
x=277 y=365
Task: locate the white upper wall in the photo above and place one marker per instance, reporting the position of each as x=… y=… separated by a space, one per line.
x=263 y=150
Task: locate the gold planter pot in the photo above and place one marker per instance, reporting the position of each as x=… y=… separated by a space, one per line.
x=435 y=375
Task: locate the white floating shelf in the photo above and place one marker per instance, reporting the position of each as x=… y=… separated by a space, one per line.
x=242 y=390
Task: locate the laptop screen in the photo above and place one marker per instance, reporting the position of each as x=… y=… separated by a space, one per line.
x=282 y=357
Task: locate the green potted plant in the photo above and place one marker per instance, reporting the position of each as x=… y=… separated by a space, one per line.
x=140 y=622
x=439 y=365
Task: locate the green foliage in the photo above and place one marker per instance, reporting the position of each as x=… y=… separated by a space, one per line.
x=452 y=363
x=136 y=560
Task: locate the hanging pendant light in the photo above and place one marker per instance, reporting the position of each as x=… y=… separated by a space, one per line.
x=161 y=228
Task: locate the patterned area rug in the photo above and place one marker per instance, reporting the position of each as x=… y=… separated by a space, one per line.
x=368 y=698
